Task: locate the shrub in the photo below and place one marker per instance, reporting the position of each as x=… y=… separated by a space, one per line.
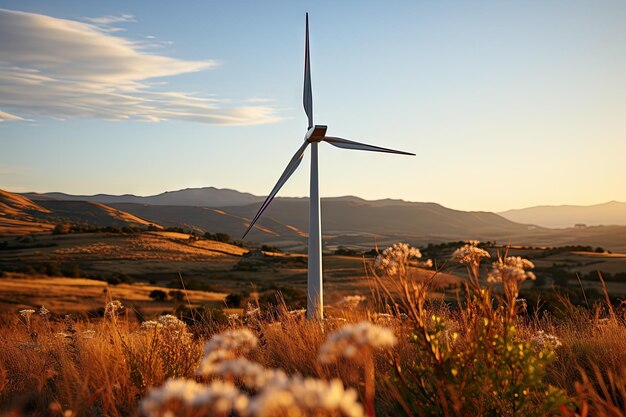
x=158 y=295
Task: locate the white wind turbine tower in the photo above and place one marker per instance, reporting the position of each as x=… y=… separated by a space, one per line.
x=314 y=135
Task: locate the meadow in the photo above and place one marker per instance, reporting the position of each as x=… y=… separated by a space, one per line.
x=406 y=345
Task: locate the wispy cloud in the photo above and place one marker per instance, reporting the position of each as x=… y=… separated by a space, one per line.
x=110 y=19
x=8 y=116
x=62 y=69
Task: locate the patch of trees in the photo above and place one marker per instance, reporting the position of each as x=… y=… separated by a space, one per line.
x=194 y=284
x=555 y=250
x=343 y=251
x=160 y=295
x=270 y=294
x=273 y=249
x=69 y=270
x=607 y=276
x=67 y=228
x=257 y=263
x=25 y=242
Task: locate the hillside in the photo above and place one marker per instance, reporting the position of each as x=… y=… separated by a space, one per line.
x=20 y=215
x=346 y=220
x=611 y=213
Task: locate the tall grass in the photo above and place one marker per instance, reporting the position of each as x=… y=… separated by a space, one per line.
x=399 y=353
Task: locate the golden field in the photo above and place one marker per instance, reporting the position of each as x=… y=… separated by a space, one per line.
x=397 y=349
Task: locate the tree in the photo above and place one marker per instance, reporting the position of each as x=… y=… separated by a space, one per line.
x=177 y=295
x=233 y=300
x=158 y=295
x=61 y=229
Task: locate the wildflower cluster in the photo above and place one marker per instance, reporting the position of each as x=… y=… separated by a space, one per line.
x=27 y=313
x=268 y=392
x=113 y=308
x=306 y=396
x=353 y=339
x=164 y=346
x=394 y=259
x=227 y=345
x=512 y=268
x=217 y=398
x=352 y=301
x=470 y=253
x=545 y=340
x=166 y=323
x=484 y=369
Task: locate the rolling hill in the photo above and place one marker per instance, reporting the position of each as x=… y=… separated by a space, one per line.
x=611 y=213
x=348 y=221
x=20 y=215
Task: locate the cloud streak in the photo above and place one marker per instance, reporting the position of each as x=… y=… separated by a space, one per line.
x=64 y=69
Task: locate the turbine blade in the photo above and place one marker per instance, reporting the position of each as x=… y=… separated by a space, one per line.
x=349 y=144
x=307 y=98
x=291 y=167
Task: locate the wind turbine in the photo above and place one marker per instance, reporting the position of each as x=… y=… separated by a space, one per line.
x=314 y=135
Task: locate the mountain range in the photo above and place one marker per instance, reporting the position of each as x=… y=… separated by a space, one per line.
x=611 y=213
x=349 y=220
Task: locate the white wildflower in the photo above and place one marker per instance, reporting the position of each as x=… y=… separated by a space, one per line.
x=241 y=340
x=172 y=324
x=226 y=345
x=113 y=308
x=352 y=301
x=546 y=340
x=221 y=398
x=470 y=253
x=27 y=313
x=253 y=375
x=306 y=396
x=150 y=326
x=512 y=268
x=43 y=311
x=353 y=339
x=396 y=258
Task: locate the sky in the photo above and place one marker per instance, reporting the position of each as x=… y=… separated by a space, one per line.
x=507 y=104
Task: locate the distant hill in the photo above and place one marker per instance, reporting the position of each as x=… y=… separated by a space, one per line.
x=21 y=215
x=345 y=220
x=349 y=220
x=611 y=213
x=200 y=197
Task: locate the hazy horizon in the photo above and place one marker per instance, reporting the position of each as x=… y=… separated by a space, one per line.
x=305 y=196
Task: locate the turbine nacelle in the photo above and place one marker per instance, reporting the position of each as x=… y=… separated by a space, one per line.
x=316 y=134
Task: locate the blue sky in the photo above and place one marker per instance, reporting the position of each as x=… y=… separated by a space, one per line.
x=507 y=104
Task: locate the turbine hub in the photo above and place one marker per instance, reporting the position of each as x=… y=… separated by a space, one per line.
x=316 y=133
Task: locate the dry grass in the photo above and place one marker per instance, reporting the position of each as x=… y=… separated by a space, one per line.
x=77 y=295
x=54 y=365
x=444 y=362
